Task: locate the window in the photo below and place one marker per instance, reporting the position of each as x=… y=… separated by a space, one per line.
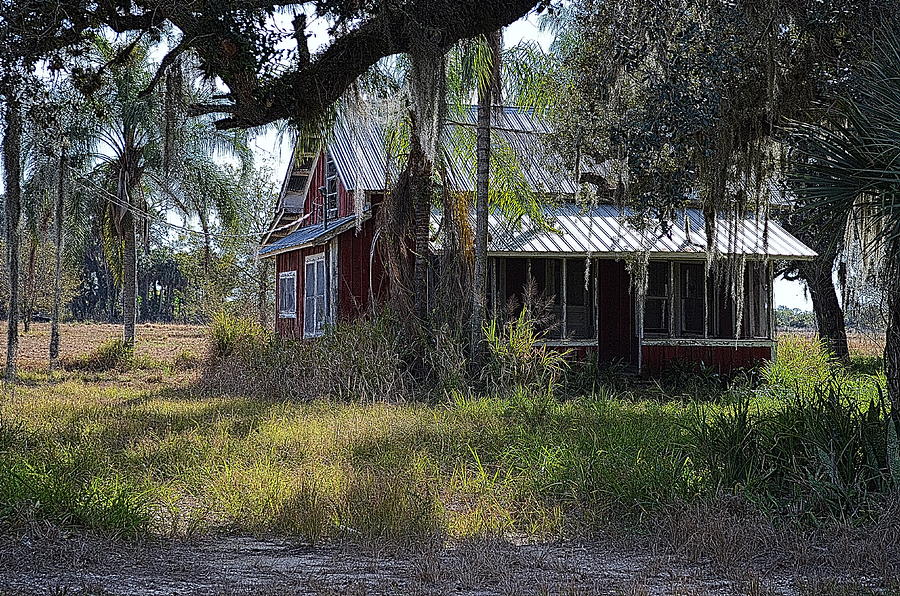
x=331 y=188
x=579 y=300
x=656 y=302
x=314 y=285
x=692 y=314
x=757 y=307
x=287 y=294
x=560 y=284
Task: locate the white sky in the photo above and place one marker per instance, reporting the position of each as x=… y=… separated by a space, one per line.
x=790 y=294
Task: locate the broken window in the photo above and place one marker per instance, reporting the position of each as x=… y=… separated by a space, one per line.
x=757 y=305
x=560 y=285
x=287 y=294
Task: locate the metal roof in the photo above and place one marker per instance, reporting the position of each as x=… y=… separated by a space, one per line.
x=605 y=229
x=360 y=156
x=310 y=235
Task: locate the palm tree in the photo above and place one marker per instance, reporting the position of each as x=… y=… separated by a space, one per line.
x=849 y=165
x=152 y=157
x=488 y=94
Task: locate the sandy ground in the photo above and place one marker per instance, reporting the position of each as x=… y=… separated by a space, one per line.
x=82 y=564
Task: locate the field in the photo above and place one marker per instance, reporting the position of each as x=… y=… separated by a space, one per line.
x=142 y=478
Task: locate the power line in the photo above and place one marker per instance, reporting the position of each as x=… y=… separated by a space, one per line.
x=137 y=212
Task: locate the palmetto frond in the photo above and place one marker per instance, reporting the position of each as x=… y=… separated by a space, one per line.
x=852 y=162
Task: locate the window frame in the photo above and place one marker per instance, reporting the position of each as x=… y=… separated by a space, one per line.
x=282 y=277
x=317 y=329
x=667 y=301
x=550 y=267
x=331 y=194
x=682 y=330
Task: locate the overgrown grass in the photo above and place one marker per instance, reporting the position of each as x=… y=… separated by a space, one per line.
x=809 y=442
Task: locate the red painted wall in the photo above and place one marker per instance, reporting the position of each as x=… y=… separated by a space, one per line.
x=353 y=276
x=354 y=255
x=722 y=358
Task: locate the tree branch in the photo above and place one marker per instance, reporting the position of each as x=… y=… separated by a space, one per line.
x=306 y=93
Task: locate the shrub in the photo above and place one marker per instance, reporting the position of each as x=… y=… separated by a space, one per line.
x=67 y=493
x=110 y=355
x=228 y=332
x=366 y=360
x=185 y=360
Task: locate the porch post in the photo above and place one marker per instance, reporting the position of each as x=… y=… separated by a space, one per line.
x=706 y=299
x=771 y=288
x=563 y=301
x=672 y=298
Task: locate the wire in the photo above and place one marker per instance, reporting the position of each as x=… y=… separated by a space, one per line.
x=136 y=212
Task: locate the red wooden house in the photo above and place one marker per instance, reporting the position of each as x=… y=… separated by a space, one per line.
x=325 y=245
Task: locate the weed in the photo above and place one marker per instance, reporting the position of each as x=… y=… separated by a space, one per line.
x=516 y=359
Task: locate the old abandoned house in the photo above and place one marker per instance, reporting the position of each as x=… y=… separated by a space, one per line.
x=324 y=240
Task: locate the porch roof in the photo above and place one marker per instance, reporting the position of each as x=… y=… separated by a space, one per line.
x=310 y=235
x=604 y=229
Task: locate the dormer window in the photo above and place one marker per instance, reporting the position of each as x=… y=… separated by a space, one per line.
x=331 y=188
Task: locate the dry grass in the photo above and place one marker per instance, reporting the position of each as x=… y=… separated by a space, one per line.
x=860 y=343
x=159 y=342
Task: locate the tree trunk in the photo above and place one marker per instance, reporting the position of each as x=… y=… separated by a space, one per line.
x=12 y=154
x=420 y=190
x=129 y=280
x=486 y=90
x=28 y=302
x=892 y=343
x=829 y=316
x=57 y=281
x=144 y=275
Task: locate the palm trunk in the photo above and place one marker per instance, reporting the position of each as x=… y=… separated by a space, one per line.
x=57 y=283
x=483 y=157
x=829 y=316
x=12 y=151
x=144 y=275
x=486 y=90
x=129 y=280
x=420 y=167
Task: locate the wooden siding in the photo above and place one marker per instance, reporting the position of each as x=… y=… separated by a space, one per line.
x=722 y=358
x=615 y=312
x=355 y=272
x=293 y=261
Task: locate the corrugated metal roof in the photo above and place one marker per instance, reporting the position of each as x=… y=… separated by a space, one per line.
x=605 y=229
x=359 y=153
x=309 y=235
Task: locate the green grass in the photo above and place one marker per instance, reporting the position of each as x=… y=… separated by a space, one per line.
x=176 y=461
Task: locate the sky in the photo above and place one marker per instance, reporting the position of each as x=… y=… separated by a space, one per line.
x=791 y=294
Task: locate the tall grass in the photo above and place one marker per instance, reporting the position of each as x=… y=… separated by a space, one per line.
x=354 y=453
